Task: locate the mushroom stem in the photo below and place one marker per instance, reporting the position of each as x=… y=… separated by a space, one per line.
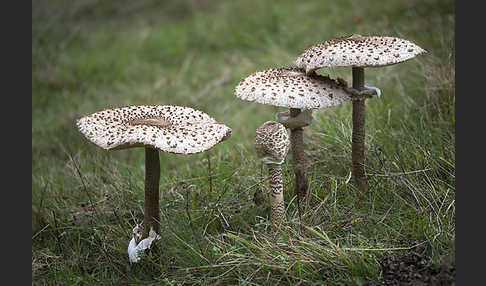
x=152 y=177
x=358 y=141
x=277 y=211
x=299 y=161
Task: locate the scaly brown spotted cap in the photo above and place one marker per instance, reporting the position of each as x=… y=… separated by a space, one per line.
x=170 y=128
x=358 y=51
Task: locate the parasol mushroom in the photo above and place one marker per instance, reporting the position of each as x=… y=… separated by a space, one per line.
x=170 y=128
x=358 y=52
x=292 y=88
x=272 y=144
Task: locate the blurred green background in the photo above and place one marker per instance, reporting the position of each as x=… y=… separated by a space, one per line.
x=88 y=55
x=92 y=55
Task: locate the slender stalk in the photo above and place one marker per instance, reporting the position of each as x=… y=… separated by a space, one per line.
x=299 y=160
x=188 y=213
x=277 y=205
x=358 y=141
x=209 y=174
x=152 y=177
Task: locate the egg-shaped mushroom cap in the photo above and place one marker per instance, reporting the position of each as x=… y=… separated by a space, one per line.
x=291 y=87
x=272 y=142
x=358 y=51
x=170 y=128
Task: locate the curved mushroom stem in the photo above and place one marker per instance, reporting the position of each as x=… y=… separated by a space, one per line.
x=299 y=160
x=358 y=141
x=152 y=177
x=277 y=205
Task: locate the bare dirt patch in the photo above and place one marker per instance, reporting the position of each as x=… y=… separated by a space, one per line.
x=412 y=269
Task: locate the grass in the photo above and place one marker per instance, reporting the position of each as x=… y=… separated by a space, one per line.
x=91 y=55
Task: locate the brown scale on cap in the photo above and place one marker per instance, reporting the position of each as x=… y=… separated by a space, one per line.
x=170 y=128
x=292 y=88
x=358 y=51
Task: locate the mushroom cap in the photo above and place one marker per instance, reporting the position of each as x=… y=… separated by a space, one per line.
x=291 y=87
x=272 y=142
x=170 y=128
x=358 y=51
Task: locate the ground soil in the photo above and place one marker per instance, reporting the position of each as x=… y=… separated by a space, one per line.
x=412 y=269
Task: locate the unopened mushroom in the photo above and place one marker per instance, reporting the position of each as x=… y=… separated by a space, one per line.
x=292 y=88
x=358 y=52
x=272 y=144
x=170 y=128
